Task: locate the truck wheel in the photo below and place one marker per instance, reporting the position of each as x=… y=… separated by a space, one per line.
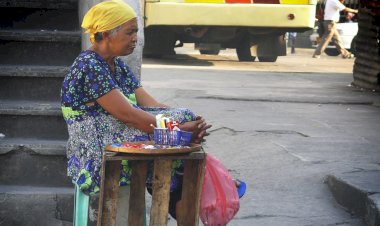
x=268 y=59
x=243 y=50
x=210 y=52
x=159 y=41
x=332 y=52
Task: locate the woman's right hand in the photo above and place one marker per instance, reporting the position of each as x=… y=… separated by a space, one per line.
x=198 y=128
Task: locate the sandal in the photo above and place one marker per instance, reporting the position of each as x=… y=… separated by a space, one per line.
x=241 y=187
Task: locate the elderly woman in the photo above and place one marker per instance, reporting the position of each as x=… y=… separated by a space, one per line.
x=103 y=102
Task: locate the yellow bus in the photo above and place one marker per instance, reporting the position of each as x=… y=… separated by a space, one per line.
x=255 y=28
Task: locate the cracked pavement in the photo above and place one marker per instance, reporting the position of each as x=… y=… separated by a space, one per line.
x=282 y=132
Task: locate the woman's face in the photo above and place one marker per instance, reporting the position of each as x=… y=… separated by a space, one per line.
x=124 y=41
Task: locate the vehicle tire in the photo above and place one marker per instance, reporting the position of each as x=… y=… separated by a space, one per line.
x=353 y=46
x=210 y=51
x=332 y=52
x=159 y=41
x=268 y=59
x=243 y=50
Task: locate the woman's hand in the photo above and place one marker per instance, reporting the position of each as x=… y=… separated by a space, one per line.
x=197 y=127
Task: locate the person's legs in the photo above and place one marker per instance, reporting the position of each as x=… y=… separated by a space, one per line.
x=292 y=41
x=293 y=45
x=329 y=28
x=339 y=45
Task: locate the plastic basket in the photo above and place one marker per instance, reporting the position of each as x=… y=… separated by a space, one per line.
x=185 y=138
x=166 y=137
x=160 y=136
x=174 y=137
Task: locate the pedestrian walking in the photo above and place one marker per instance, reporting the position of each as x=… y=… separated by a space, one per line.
x=292 y=41
x=331 y=16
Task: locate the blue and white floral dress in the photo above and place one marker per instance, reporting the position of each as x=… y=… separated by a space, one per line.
x=91 y=127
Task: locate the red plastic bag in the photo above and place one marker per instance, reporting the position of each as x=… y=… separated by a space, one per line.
x=219 y=197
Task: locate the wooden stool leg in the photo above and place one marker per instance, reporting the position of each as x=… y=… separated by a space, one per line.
x=137 y=195
x=161 y=189
x=109 y=193
x=191 y=191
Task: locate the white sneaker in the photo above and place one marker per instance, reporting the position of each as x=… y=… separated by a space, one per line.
x=348 y=56
x=317 y=56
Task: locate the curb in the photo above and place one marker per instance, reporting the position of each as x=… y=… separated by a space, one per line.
x=358 y=197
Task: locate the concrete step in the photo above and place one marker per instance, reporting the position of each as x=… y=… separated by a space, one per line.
x=32 y=119
x=40 y=35
x=42 y=19
x=33 y=162
x=19 y=82
x=359 y=193
x=31 y=206
x=31 y=47
x=42 y=15
x=49 y=4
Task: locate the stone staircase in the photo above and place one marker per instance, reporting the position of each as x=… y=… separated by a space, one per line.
x=38 y=41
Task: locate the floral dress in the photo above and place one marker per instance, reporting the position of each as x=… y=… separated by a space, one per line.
x=91 y=127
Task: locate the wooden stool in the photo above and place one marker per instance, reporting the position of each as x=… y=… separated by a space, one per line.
x=192 y=186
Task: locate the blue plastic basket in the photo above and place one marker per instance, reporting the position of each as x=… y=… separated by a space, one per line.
x=160 y=136
x=166 y=137
x=174 y=137
x=171 y=137
x=185 y=138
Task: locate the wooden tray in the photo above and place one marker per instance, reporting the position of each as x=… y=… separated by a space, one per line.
x=172 y=150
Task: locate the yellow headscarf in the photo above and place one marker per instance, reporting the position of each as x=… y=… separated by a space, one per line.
x=106 y=16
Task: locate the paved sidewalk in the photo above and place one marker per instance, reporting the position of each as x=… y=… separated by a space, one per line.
x=317 y=118
x=302 y=61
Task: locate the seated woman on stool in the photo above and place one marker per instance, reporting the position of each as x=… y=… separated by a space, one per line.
x=103 y=102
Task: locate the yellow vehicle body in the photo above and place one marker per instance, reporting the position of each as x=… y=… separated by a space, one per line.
x=228 y=23
x=250 y=15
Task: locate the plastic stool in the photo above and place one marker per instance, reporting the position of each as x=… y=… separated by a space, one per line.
x=81 y=203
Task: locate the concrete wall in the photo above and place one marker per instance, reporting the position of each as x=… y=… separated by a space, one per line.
x=367 y=63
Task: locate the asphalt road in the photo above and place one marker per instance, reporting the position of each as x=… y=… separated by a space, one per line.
x=188 y=58
x=281 y=127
